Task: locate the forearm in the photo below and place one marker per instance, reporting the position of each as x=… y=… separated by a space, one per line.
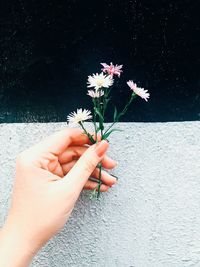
x=15 y=250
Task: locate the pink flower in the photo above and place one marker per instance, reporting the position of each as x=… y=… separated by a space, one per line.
x=96 y=93
x=111 y=69
x=138 y=91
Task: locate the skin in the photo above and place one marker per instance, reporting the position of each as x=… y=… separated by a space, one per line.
x=49 y=179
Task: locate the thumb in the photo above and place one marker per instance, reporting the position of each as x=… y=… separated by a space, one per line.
x=79 y=174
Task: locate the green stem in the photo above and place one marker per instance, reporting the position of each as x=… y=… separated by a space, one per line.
x=100 y=170
x=85 y=131
x=97 y=105
x=95 y=125
x=100 y=182
x=122 y=112
x=110 y=126
x=102 y=111
x=126 y=106
x=105 y=100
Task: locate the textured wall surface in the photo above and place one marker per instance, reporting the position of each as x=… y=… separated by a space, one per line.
x=151 y=218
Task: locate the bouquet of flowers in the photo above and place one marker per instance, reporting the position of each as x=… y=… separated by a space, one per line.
x=102 y=84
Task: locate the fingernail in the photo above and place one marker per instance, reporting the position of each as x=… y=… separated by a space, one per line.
x=101 y=148
x=114 y=176
x=113 y=162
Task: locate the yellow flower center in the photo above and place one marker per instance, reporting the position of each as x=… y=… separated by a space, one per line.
x=100 y=81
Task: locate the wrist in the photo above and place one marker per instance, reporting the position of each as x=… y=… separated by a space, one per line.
x=15 y=248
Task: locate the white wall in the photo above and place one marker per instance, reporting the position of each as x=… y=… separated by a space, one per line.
x=151 y=218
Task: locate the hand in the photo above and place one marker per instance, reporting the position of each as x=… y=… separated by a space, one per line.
x=49 y=179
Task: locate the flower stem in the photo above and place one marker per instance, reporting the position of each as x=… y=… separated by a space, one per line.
x=110 y=126
x=88 y=134
x=133 y=95
x=105 y=100
x=101 y=110
x=95 y=125
x=100 y=182
x=122 y=112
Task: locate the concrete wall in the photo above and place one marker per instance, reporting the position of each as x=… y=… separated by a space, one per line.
x=151 y=218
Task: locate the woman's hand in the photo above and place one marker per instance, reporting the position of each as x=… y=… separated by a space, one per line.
x=49 y=179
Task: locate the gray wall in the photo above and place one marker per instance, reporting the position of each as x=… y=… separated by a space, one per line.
x=151 y=218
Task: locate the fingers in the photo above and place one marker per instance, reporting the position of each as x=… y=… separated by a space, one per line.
x=106 y=178
x=59 y=141
x=90 y=185
x=84 y=167
x=75 y=152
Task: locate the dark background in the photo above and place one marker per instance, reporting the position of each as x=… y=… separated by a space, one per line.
x=48 y=48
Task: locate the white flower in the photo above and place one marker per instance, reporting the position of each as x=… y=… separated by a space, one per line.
x=96 y=93
x=100 y=80
x=138 y=91
x=79 y=116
